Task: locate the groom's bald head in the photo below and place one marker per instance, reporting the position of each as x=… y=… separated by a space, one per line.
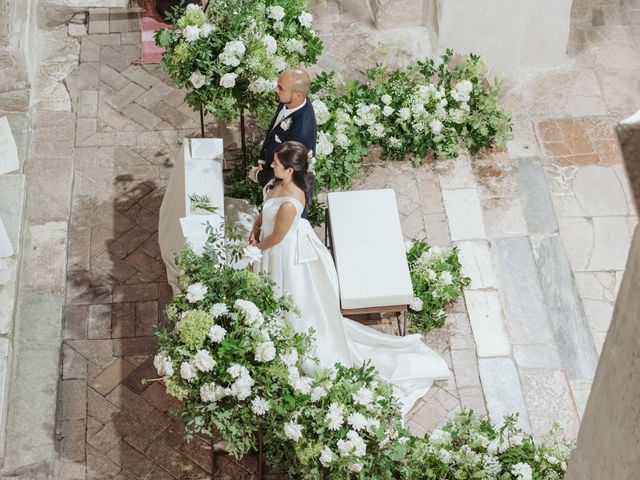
x=293 y=86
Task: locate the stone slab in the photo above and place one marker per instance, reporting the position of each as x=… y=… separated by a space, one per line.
x=548 y=398
x=599 y=191
x=12 y=206
x=537 y=356
x=8 y=297
x=464 y=213
x=487 y=323
x=568 y=322
x=45 y=266
x=612 y=237
x=477 y=263
x=4 y=369
x=524 y=301
x=535 y=197
x=502 y=390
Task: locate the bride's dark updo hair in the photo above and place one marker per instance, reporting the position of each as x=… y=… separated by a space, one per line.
x=296 y=156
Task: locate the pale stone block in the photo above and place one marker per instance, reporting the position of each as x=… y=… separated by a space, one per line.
x=548 y=399
x=464 y=213
x=45 y=266
x=611 y=243
x=502 y=390
x=596 y=285
x=599 y=313
x=8 y=296
x=12 y=206
x=577 y=237
x=599 y=191
x=533 y=33
x=4 y=368
x=455 y=173
x=503 y=217
x=537 y=356
x=567 y=206
x=477 y=263
x=487 y=323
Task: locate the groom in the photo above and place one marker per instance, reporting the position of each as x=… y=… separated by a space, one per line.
x=294 y=120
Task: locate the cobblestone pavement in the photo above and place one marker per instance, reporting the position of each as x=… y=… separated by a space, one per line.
x=505 y=211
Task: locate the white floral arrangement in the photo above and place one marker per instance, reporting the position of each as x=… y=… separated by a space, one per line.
x=230 y=56
x=437 y=279
x=438 y=106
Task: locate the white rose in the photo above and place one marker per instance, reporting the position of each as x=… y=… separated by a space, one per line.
x=228 y=80
x=386 y=99
x=327 y=456
x=363 y=396
x=394 y=142
x=218 y=309
x=321 y=111
x=253 y=316
x=355 y=467
x=188 y=371
x=265 y=352
x=206 y=30
x=416 y=304
x=196 y=292
x=303 y=385
x=446 y=278
x=164 y=365
x=240 y=391
x=377 y=130
x=290 y=358
x=305 y=19
x=237 y=371
x=294 y=45
x=217 y=333
x=197 y=79
x=293 y=431
x=259 y=406
x=204 y=361
x=278 y=26
x=357 y=421
x=317 y=393
x=276 y=12
x=436 y=126
x=270 y=44
x=192 y=7
x=252 y=253
x=191 y=33
x=208 y=393
x=387 y=110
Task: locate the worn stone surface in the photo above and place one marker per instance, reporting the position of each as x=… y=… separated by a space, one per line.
x=535 y=197
x=487 y=322
x=464 y=214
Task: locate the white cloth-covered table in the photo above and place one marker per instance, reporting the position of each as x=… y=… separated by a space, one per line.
x=368 y=249
x=197 y=170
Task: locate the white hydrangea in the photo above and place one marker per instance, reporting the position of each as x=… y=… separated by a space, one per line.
x=191 y=33
x=387 y=110
x=386 y=99
x=317 y=393
x=416 y=304
x=394 y=142
x=265 y=352
x=363 y=396
x=210 y=392
x=303 y=385
x=204 y=361
x=366 y=114
x=217 y=333
x=237 y=371
x=232 y=53
x=324 y=147
x=197 y=79
x=522 y=471
x=164 y=365
x=327 y=456
x=206 y=30
x=342 y=140
x=457 y=115
x=404 y=114
x=252 y=253
x=294 y=45
x=218 y=309
x=446 y=277
x=293 y=430
x=196 y=292
x=491 y=465
x=270 y=44
x=335 y=416
x=188 y=371
x=305 y=19
x=276 y=13
x=357 y=421
x=259 y=406
x=279 y=64
x=377 y=130
x=322 y=111
x=228 y=80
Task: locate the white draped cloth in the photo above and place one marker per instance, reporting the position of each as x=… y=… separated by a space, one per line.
x=302 y=266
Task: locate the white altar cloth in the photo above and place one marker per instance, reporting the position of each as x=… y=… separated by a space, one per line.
x=368 y=249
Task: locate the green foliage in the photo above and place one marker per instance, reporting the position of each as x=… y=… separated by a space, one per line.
x=437 y=282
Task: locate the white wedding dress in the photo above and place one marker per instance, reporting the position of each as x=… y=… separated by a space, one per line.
x=302 y=266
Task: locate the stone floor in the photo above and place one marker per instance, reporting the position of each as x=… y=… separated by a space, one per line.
x=543 y=231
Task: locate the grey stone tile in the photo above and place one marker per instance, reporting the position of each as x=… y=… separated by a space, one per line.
x=568 y=322
x=525 y=310
x=537 y=356
x=535 y=196
x=502 y=390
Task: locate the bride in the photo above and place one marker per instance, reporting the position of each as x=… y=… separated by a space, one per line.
x=298 y=262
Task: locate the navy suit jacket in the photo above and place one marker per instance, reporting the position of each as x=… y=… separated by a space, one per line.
x=301 y=129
